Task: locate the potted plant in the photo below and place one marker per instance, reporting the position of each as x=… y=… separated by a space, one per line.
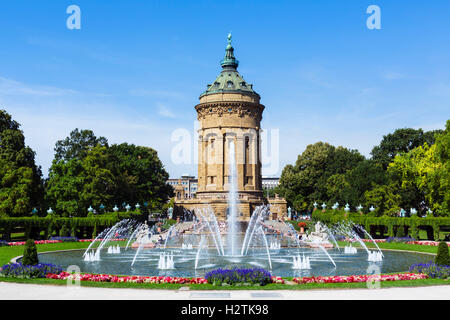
x=302 y=226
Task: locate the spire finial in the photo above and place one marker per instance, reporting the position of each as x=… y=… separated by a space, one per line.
x=230 y=60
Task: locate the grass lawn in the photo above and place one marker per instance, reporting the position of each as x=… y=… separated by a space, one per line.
x=273 y=286
x=7 y=253
x=394 y=246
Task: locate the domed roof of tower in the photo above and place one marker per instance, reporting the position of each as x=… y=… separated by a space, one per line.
x=229 y=80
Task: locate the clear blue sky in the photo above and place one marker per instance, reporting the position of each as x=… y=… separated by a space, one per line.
x=134 y=71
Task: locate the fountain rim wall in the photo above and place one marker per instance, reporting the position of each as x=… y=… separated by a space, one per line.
x=14 y=260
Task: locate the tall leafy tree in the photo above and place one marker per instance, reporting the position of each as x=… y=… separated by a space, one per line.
x=91 y=175
x=79 y=176
x=384 y=199
x=140 y=175
x=422 y=175
x=20 y=179
x=63 y=188
x=440 y=193
x=306 y=181
x=77 y=145
x=351 y=186
x=401 y=141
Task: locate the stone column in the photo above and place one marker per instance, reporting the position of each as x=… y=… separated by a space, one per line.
x=220 y=149
x=239 y=148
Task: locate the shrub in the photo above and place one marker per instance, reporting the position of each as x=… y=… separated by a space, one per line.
x=442 y=257
x=30 y=253
x=19 y=270
x=237 y=276
x=432 y=270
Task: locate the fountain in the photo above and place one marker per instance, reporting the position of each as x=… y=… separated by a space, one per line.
x=319 y=237
x=232 y=201
x=143 y=237
x=347 y=229
x=204 y=247
x=118 y=231
x=186 y=246
x=274 y=245
x=350 y=250
x=375 y=256
x=301 y=262
x=166 y=261
x=114 y=249
x=91 y=257
x=222 y=244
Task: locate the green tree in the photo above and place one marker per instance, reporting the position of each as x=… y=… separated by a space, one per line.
x=99 y=185
x=439 y=193
x=422 y=175
x=363 y=177
x=21 y=186
x=108 y=175
x=306 y=181
x=384 y=199
x=74 y=185
x=140 y=175
x=403 y=177
x=401 y=141
x=64 y=186
x=77 y=145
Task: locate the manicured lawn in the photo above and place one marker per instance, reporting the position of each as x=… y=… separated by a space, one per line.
x=7 y=253
x=394 y=246
x=273 y=286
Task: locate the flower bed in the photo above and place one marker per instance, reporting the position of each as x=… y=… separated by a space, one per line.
x=135 y=279
x=65 y=239
x=361 y=278
x=278 y=280
x=426 y=243
x=400 y=239
x=92 y=240
x=238 y=276
x=18 y=270
x=21 y=243
x=376 y=240
x=431 y=269
x=407 y=241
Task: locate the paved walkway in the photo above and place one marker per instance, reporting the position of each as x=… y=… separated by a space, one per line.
x=15 y=291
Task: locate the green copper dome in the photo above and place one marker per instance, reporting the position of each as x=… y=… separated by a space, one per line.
x=229 y=80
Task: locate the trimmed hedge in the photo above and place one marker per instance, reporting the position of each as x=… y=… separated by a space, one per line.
x=63 y=226
x=432 y=224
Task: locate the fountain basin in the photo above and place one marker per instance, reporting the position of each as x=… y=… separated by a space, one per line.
x=282 y=262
